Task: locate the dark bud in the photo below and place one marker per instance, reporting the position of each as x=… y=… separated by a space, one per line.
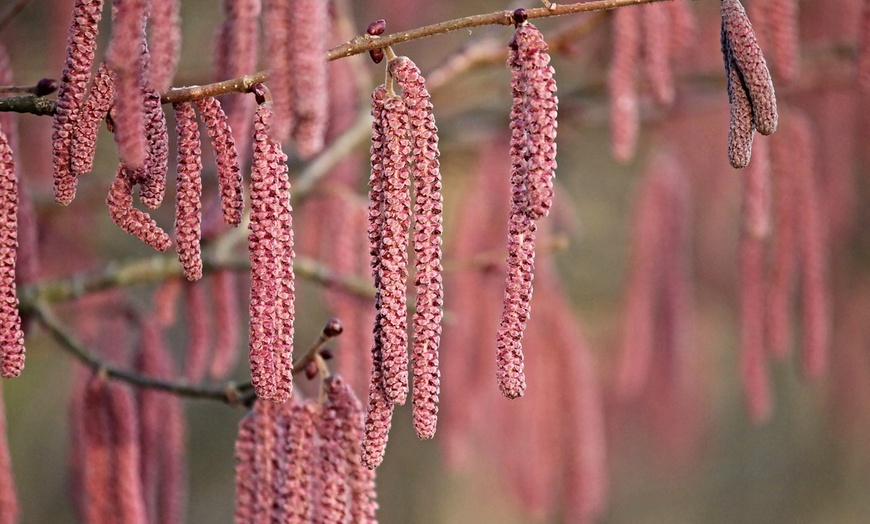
x=46 y=86
x=259 y=91
x=377 y=27
x=311 y=370
x=326 y=354
x=333 y=328
x=520 y=16
x=377 y=55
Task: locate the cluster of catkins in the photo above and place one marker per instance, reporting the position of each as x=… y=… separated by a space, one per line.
x=404 y=146
x=299 y=461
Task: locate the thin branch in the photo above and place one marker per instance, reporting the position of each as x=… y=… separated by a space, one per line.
x=12 y=13
x=159 y=268
x=230 y=393
x=359 y=44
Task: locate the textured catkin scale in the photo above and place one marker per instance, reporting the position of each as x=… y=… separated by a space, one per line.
x=11 y=336
x=533 y=117
x=84 y=139
x=188 y=196
x=393 y=265
x=226 y=157
x=246 y=481
x=81 y=46
x=130 y=219
x=296 y=463
x=152 y=182
x=428 y=206
x=331 y=470
x=270 y=246
x=748 y=60
x=741 y=128
x=624 y=110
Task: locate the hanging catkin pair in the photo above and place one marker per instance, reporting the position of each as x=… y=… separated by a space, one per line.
x=404 y=142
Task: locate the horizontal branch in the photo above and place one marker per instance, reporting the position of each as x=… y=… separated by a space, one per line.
x=160 y=267
x=230 y=393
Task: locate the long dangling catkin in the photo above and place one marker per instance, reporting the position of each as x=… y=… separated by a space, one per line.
x=393 y=265
x=428 y=204
x=656 y=25
x=226 y=157
x=741 y=45
x=624 y=110
x=11 y=337
x=188 y=199
x=270 y=245
x=81 y=47
x=741 y=128
x=379 y=411
x=308 y=30
x=296 y=462
x=330 y=468
x=165 y=42
x=84 y=139
x=784 y=22
x=123 y=58
x=130 y=219
x=753 y=360
x=277 y=22
x=152 y=182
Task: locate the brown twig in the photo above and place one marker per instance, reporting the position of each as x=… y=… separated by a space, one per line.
x=233 y=394
x=12 y=13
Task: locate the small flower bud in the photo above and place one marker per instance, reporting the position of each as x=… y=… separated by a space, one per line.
x=46 y=86
x=377 y=27
x=333 y=328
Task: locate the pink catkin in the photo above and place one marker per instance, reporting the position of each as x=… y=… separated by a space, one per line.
x=624 y=111
x=330 y=468
x=742 y=45
x=277 y=21
x=533 y=121
x=8 y=500
x=683 y=27
x=656 y=26
x=864 y=48
x=741 y=128
x=393 y=265
x=123 y=58
x=379 y=412
x=428 y=205
x=131 y=220
x=96 y=463
x=647 y=245
x=161 y=430
x=270 y=245
x=784 y=22
x=361 y=480
x=308 y=30
x=786 y=160
x=165 y=42
x=81 y=47
x=197 y=326
x=812 y=251
x=296 y=461
x=757 y=203
x=84 y=138
x=11 y=336
x=226 y=318
x=265 y=453
x=517 y=305
x=121 y=408
x=246 y=480
x=152 y=178
x=188 y=200
x=227 y=158
x=753 y=361
x=236 y=55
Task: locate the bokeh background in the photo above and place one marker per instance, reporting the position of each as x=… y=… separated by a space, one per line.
x=808 y=463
